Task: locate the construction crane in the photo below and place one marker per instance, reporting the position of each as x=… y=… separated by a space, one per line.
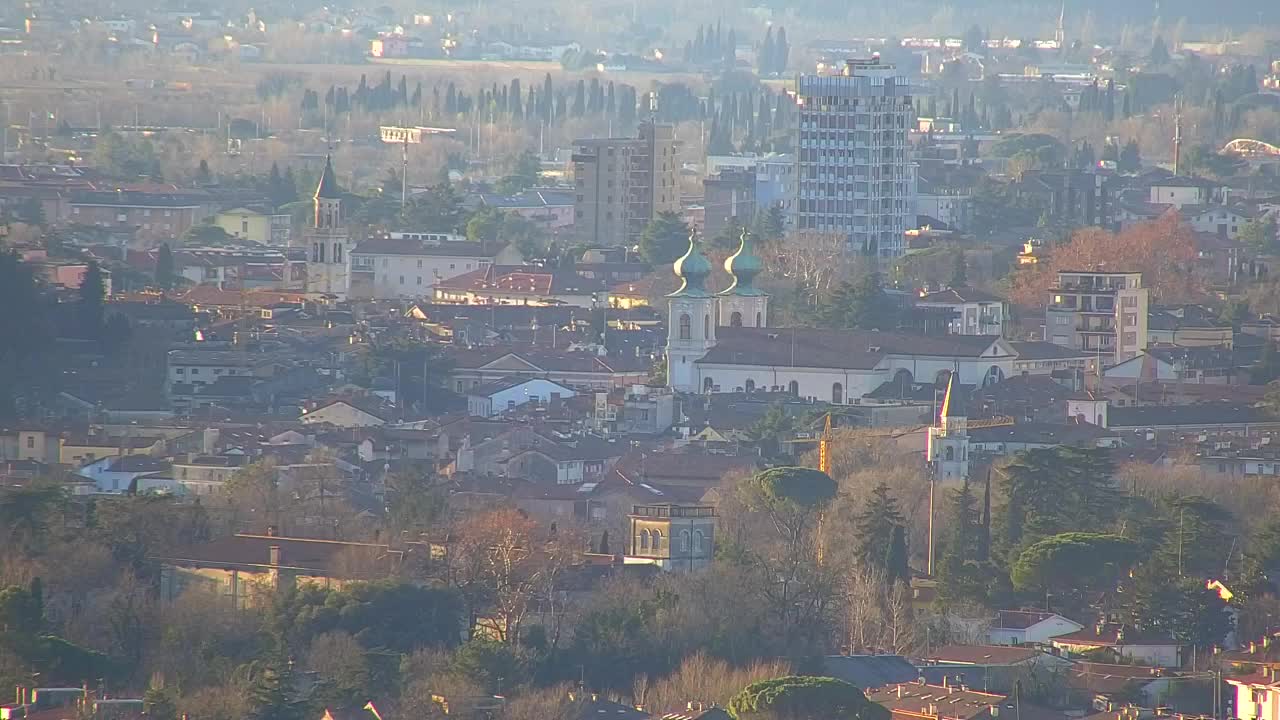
x=824 y=447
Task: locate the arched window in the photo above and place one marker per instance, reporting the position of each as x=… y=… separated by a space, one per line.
x=708 y=385
x=686 y=326
x=759 y=320
x=644 y=539
x=994 y=376
x=337 y=252
x=793 y=387
x=837 y=394
x=321 y=258
x=698 y=539
x=950 y=453
x=735 y=320
x=706 y=326
x=750 y=385
x=657 y=540
x=684 y=541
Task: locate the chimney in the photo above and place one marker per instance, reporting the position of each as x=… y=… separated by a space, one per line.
x=899 y=692
x=946 y=681
x=271 y=531
x=274 y=554
x=1253 y=648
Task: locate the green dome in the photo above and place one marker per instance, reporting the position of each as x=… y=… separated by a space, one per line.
x=743 y=266
x=692 y=268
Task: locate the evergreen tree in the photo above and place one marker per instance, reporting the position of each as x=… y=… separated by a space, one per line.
x=781 y=51
x=764 y=60
x=862 y=306
x=164 y=268
x=1130 y=160
x=875 y=528
x=961 y=578
x=158 y=704
x=203 y=176
x=959 y=276
x=93 y=296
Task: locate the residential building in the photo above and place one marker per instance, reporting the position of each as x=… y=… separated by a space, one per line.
x=673 y=537
x=204 y=367
x=552 y=210
x=1076 y=197
x=388 y=269
x=1257 y=695
x=854 y=171
x=1188 y=326
x=328 y=240
x=207 y=474
x=577 y=370
x=522 y=285
x=1122 y=642
x=1221 y=221
x=1023 y=627
x=156 y=215
x=1045 y=358
x=1180 y=191
x=248 y=569
x=494 y=398
x=256 y=225
x=621 y=184
x=1100 y=312
x=1188 y=365
x=350 y=412
x=988 y=668
x=730 y=201
x=976 y=312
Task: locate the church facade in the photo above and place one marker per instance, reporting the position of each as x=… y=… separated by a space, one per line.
x=722 y=342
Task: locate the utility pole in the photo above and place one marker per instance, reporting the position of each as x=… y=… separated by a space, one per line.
x=1177 y=134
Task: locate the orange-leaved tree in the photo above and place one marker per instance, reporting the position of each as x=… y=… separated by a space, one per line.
x=1163 y=250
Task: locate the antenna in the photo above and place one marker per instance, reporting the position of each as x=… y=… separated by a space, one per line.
x=1177 y=133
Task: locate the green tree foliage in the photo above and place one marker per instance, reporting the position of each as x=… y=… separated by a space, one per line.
x=1179 y=608
x=962 y=572
x=27 y=370
x=390 y=615
x=526 y=174
x=165 y=276
x=1259 y=234
x=90 y=310
x=863 y=305
x=664 y=239
x=1056 y=490
x=490 y=664
x=879 y=528
x=1073 y=563
x=158 y=703
x=804 y=698
x=125 y=157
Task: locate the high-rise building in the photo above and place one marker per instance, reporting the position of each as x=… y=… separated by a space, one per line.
x=621 y=184
x=328 y=239
x=1098 y=312
x=855 y=176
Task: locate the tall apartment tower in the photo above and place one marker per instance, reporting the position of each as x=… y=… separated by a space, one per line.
x=328 y=239
x=623 y=183
x=854 y=171
x=1104 y=313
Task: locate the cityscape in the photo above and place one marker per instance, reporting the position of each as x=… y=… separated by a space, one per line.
x=556 y=360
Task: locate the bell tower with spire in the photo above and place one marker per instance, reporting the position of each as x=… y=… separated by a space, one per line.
x=327 y=239
x=742 y=304
x=691 y=323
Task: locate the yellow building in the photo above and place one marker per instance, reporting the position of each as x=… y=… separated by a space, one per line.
x=256 y=226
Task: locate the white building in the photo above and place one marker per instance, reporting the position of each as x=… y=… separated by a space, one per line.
x=1023 y=627
x=349 y=413
x=327 y=240
x=976 y=312
x=855 y=175
x=387 y=269
x=1180 y=191
x=499 y=396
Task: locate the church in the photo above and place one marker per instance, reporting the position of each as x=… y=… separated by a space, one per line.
x=328 y=240
x=722 y=342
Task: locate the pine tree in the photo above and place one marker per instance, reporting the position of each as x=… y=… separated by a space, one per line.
x=91 y=307
x=164 y=268
x=961 y=578
x=764 y=61
x=874 y=528
x=959 y=276
x=781 y=51
x=203 y=176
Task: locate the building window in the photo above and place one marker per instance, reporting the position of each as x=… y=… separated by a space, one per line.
x=837 y=394
x=684 y=541
x=735 y=320
x=750 y=385
x=793 y=387
x=706 y=326
x=657 y=540
x=31 y=442
x=686 y=330
x=708 y=385
x=644 y=539
x=698 y=541
x=759 y=320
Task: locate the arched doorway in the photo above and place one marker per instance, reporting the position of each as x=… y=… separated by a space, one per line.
x=837 y=394
x=735 y=320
